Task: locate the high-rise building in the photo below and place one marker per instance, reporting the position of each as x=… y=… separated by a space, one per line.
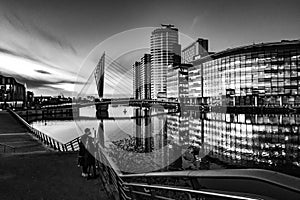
x=137 y=80
x=142 y=78
x=164 y=51
x=146 y=76
x=197 y=49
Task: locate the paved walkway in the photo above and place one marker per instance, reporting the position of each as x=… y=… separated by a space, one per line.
x=35 y=173
x=46 y=176
x=14 y=134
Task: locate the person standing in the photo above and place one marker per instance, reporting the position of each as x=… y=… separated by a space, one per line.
x=91 y=161
x=83 y=153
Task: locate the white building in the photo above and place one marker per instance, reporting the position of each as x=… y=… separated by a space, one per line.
x=165 y=50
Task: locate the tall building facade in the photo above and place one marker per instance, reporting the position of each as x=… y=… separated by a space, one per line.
x=197 y=49
x=146 y=76
x=164 y=50
x=142 y=78
x=177 y=82
x=256 y=75
x=136 y=67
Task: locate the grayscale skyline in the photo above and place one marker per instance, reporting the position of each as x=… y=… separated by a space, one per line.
x=50 y=39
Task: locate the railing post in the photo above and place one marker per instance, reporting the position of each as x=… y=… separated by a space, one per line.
x=66 y=148
x=72 y=146
x=43 y=138
x=58 y=146
x=47 y=139
x=119 y=190
x=53 y=143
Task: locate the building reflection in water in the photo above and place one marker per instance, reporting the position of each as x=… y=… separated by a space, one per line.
x=194 y=140
x=250 y=139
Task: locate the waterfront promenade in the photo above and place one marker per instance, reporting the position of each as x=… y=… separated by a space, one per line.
x=15 y=135
x=35 y=172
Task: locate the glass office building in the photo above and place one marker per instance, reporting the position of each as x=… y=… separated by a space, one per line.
x=266 y=74
x=146 y=76
x=177 y=82
x=165 y=50
x=199 y=48
x=245 y=139
x=137 y=80
x=142 y=78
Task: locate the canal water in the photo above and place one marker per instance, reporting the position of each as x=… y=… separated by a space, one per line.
x=143 y=140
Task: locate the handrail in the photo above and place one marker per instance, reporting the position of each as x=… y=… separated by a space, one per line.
x=44 y=138
x=127 y=101
x=274 y=178
x=188 y=191
x=131 y=191
x=72 y=145
x=7 y=146
x=136 y=186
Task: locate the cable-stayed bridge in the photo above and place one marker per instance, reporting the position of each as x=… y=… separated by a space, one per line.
x=111 y=77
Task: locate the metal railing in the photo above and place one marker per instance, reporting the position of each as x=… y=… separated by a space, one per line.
x=244 y=183
x=127 y=187
x=73 y=145
x=158 y=185
x=140 y=191
x=7 y=148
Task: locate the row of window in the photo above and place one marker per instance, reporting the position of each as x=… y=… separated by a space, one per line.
x=264 y=73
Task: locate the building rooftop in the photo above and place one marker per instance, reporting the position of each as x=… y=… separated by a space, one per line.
x=247 y=48
x=165 y=27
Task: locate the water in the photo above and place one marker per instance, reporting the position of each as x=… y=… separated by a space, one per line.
x=189 y=140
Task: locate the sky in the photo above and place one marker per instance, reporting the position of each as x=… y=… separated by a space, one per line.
x=50 y=45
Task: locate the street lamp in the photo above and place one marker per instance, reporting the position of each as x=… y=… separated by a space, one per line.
x=5 y=96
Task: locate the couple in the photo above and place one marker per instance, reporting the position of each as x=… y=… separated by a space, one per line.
x=85 y=158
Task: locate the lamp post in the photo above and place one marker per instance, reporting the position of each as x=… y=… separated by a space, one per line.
x=5 y=96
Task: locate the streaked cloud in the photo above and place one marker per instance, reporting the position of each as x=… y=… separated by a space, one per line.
x=35 y=56
x=37 y=74
x=42 y=71
x=37 y=31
